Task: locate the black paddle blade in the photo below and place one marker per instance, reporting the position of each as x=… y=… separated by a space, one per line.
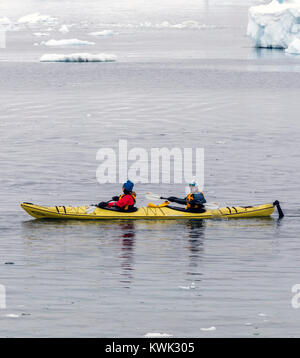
x=280 y=212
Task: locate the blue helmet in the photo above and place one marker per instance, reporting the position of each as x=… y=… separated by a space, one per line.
x=128 y=186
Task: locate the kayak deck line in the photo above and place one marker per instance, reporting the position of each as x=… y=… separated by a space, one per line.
x=156 y=213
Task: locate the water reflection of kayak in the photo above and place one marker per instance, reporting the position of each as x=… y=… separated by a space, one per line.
x=149 y=212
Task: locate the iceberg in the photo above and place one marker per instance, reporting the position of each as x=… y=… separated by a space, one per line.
x=274 y=25
x=78 y=57
x=67 y=42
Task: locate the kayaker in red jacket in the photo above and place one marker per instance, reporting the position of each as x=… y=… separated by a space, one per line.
x=123 y=202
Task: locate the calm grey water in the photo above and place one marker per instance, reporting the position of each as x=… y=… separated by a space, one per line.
x=169 y=87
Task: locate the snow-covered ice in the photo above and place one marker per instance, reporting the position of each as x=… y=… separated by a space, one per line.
x=294 y=47
x=78 y=57
x=68 y=42
x=37 y=18
x=5 y=21
x=6 y=24
x=274 y=25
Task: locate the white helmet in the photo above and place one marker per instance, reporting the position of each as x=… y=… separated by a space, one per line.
x=193 y=185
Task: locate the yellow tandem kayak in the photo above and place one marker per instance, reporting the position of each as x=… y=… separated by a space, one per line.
x=149 y=212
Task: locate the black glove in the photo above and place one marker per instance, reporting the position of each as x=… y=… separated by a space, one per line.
x=172 y=198
x=115 y=198
x=103 y=204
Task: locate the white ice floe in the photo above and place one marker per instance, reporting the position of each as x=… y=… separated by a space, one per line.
x=294 y=47
x=78 y=57
x=157 y=335
x=64 y=29
x=37 y=18
x=67 y=42
x=39 y=34
x=209 y=329
x=262 y=315
x=192 y=286
x=12 y=315
x=188 y=24
x=103 y=33
x=274 y=25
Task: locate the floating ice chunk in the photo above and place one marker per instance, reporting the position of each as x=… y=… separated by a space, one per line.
x=157 y=335
x=12 y=315
x=209 y=329
x=78 y=57
x=64 y=29
x=37 y=18
x=39 y=34
x=274 y=25
x=262 y=314
x=68 y=42
x=103 y=33
x=188 y=24
x=294 y=47
x=192 y=286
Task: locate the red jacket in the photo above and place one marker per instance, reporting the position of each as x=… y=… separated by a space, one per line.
x=121 y=203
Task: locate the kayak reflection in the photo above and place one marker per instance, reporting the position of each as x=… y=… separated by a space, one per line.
x=127 y=251
x=108 y=250
x=195 y=245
